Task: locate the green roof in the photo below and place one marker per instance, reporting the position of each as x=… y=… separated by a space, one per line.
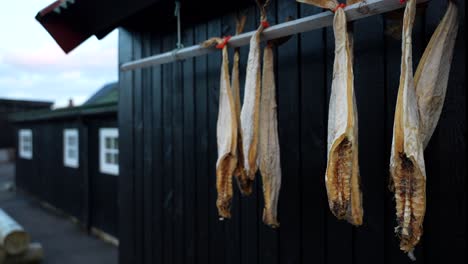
x=107 y=94
x=103 y=101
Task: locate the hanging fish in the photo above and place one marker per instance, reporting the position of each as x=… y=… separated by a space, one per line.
x=342 y=175
x=226 y=134
x=243 y=181
x=407 y=166
x=269 y=147
x=250 y=108
x=432 y=74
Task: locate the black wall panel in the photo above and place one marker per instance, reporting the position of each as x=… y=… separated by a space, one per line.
x=168 y=119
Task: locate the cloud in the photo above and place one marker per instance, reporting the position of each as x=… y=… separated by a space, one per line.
x=33 y=67
x=46 y=73
x=49 y=59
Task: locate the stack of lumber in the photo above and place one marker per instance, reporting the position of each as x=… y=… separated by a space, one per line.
x=15 y=246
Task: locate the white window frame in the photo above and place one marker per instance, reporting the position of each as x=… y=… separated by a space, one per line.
x=24 y=152
x=104 y=166
x=68 y=161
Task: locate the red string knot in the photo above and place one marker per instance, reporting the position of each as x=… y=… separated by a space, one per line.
x=340 y=5
x=265 y=24
x=402 y=1
x=223 y=43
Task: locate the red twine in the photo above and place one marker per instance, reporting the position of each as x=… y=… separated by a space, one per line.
x=224 y=43
x=340 y=5
x=265 y=24
x=402 y=1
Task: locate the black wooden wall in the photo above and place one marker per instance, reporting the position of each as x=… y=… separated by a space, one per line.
x=7 y=107
x=103 y=187
x=83 y=192
x=167 y=120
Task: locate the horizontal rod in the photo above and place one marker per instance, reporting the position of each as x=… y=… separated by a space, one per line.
x=321 y=20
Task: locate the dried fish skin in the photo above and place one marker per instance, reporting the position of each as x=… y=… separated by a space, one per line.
x=342 y=175
x=250 y=109
x=226 y=132
x=431 y=77
x=269 y=148
x=244 y=184
x=407 y=167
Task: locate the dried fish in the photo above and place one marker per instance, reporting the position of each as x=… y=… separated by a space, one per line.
x=269 y=148
x=342 y=175
x=269 y=159
x=243 y=181
x=226 y=132
x=432 y=74
x=250 y=108
x=407 y=166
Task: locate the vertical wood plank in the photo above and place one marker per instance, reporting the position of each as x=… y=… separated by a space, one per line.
x=138 y=149
x=168 y=155
x=369 y=84
x=126 y=194
x=190 y=179
x=178 y=164
x=157 y=174
x=313 y=142
x=289 y=105
x=201 y=150
x=147 y=94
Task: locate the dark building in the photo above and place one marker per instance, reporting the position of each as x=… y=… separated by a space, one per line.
x=167 y=125
x=68 y=158
x=7 y=135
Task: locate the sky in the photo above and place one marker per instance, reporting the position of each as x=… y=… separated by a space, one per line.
x=33 y=67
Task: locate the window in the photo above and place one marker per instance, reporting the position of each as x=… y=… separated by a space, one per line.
x=109 y=151
x=25 y=144
x=71 y=148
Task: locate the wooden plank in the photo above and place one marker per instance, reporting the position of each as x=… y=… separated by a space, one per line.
x=369 y=87
x=217 y=234
x=84 y=167
x=249 y=208
x=434 y=198
x=157 y=215
x=321 y=20
x=289 y=107
x=126 y=195
x=313 y=142
x=189 y=154
x=178 y=157
x=138 y=150
x=168 y=155
x=147 y=128
x=201 y=150
x=339 y=232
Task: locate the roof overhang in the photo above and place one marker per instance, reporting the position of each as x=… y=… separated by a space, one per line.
x=71 y=22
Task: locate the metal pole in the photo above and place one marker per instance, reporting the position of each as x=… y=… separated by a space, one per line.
x=321 y=20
